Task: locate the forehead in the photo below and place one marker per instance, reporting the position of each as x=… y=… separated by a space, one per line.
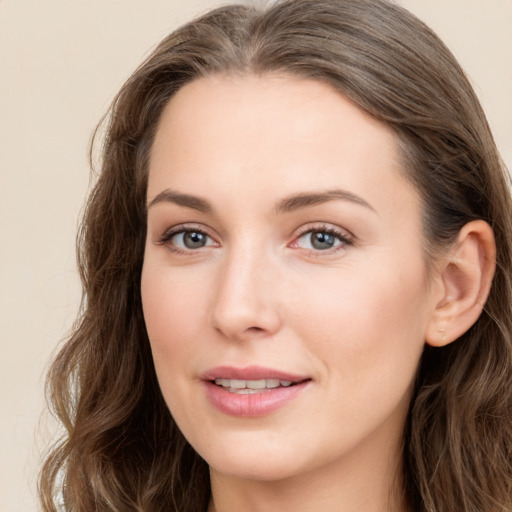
x=281 y=130
x=271 y=108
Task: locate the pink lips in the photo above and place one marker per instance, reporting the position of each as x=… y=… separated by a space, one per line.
x=251 y=405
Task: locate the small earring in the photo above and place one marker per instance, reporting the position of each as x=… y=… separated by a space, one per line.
x=443 y=334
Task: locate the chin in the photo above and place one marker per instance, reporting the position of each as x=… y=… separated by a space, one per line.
x=259 y=469
x=255 y=461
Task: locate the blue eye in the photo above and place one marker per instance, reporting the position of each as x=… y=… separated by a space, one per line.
x=321 y=240
x=189 y=239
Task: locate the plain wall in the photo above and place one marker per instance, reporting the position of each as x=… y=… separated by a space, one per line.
x=61 y=63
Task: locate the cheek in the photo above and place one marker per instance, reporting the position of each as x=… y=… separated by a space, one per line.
x=369 y=324
x=173 y=312
x=367 y=334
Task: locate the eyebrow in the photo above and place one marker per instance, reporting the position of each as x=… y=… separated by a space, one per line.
x=304 y=200
x=187 y=200
x=286 y=205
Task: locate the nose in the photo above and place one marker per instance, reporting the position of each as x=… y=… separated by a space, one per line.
x=246 y=304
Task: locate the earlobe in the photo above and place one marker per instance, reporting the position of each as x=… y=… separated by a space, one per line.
x=465 y=276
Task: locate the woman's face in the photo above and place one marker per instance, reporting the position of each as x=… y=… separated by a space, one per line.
x=284 y=284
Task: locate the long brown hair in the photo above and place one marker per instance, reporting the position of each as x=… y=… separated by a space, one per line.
x=122 y=450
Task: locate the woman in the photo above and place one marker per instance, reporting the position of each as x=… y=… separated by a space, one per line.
x=296 y=265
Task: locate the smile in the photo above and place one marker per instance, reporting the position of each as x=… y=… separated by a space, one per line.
x=251 y=391
x=248 y=387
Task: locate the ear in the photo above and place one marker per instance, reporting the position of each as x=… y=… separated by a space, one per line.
x=465 y=276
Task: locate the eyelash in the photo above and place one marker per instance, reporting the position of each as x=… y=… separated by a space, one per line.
x=345 y=238
x=188 y=228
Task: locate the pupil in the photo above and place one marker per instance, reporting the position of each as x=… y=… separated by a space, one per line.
x=194 y=240
x=322 y=240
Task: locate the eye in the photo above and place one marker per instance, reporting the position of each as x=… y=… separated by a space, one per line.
x=187 y=240
x=190 y=240
x=324 y=239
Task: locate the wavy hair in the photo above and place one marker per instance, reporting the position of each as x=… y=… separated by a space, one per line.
x=122 y=450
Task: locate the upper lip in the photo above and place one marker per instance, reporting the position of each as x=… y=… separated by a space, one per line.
x=250 y=373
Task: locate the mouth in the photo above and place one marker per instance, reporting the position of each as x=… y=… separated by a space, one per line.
x=252 y=391
x=250 y=387
x=251 y=378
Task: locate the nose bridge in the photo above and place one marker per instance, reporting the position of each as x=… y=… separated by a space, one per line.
x=245 y=296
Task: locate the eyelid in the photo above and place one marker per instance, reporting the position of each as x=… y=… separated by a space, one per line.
x=169 y=233
x=324 y=226
x=346 y=237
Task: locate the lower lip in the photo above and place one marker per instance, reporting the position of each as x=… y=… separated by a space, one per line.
x=253 y=405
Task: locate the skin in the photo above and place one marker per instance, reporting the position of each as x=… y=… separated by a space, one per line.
x=353 y=318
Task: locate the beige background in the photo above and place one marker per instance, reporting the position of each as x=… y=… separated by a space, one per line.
x=61 y=62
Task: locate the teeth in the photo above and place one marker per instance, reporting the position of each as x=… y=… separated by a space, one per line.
x=247 y=387
x=245 y=391
x=258 y=384
x=238 y=384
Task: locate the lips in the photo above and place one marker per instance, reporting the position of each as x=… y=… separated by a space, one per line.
x=251 y=391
